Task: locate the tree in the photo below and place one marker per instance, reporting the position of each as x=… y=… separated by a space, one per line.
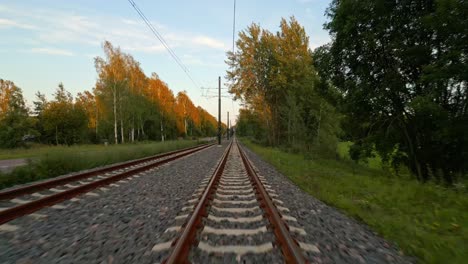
x=112 y=80
x=88 y=103
x=274 y=76
x=39 y=105
x=184 y=107
x=402 y=68
x=136 y=107
x=162 y=96
x=63 y=119
x=14 y=119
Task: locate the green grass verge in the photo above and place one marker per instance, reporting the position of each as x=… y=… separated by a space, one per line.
x=54 y=161
x=372 y=162
x=424 y=220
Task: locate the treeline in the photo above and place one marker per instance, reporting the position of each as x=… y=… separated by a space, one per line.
x=274 y=76
x=124 y=106
x=393 y=80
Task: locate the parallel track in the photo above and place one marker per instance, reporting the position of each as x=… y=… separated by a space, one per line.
x=236 y=181
x=80 y=183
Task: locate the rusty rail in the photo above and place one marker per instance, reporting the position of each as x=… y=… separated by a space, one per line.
x=289 y=247
x=35 y=187
x=182 y=245
x=30 y=207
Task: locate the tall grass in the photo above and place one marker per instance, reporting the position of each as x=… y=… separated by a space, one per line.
x=54 y=161
x=425 y=220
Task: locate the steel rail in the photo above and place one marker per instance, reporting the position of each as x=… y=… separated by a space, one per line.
x=181 y=246
x=35 y=187
x=289 y=247
x=30 y=207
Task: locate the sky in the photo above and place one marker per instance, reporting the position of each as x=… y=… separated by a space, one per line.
x=45 y=42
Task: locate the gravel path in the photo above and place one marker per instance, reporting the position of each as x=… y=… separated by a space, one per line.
x=11 y=164
x=117 y=224
x=336 y=237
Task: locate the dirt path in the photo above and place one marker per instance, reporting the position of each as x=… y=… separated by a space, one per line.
x=10 y=164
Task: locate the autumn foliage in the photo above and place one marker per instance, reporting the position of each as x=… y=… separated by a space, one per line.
x=124 y=106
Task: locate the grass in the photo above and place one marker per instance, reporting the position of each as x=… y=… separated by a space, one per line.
x=53 y=161
x=424 y=220
x=372 y=162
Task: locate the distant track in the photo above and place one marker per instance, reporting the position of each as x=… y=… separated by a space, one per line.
x=234 y=195
x=27 y=199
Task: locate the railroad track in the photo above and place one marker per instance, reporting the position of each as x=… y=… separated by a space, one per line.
x=17 y=202
x=234 y=217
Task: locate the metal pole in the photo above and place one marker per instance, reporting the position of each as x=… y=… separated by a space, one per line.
x=219 y=110
x=228 y=127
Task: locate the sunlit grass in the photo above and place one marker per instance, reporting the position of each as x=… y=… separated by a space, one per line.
x=424 y=220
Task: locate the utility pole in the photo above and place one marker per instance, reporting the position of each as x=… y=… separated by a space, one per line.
x=228 y=127
x=219 y=110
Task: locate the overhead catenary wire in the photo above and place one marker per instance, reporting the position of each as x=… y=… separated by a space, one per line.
x=205 y=90
x=234 y=28
x=163 y=42
x=233 y=46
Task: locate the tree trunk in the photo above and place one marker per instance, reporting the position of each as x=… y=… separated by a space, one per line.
x=115 y=116
x=121 y=123
x=97 y=121
x=122 y=135
x=162 y=130
x=133 y=130
x=289 y=128
x=412 y=155
x=56 y=135
x=318 y=126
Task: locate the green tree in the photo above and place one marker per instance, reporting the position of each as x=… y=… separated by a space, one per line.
x=274 y=75
x=39 y=105
x=15 y=122
x=402 y=68
x=64 y=120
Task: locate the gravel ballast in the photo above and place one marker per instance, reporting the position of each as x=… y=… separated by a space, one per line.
x=225 y=244
x=119 y=225
x=122 y=224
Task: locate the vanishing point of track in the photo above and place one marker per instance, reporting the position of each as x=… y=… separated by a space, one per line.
x=234 y=194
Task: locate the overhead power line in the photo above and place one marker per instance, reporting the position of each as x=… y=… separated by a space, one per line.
x=163 y=42
x=234 y=27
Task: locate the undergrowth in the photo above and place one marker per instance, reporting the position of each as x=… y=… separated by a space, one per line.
x=425 y=220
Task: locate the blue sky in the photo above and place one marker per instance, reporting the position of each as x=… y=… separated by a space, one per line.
x=45 y=42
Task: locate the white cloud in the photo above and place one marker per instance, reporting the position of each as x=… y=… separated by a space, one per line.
x=145 y=48
x=52 y=51
x=6 y=23
x=129 y=21
x=197 y=61
x=208 y=42
x=58 y=27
